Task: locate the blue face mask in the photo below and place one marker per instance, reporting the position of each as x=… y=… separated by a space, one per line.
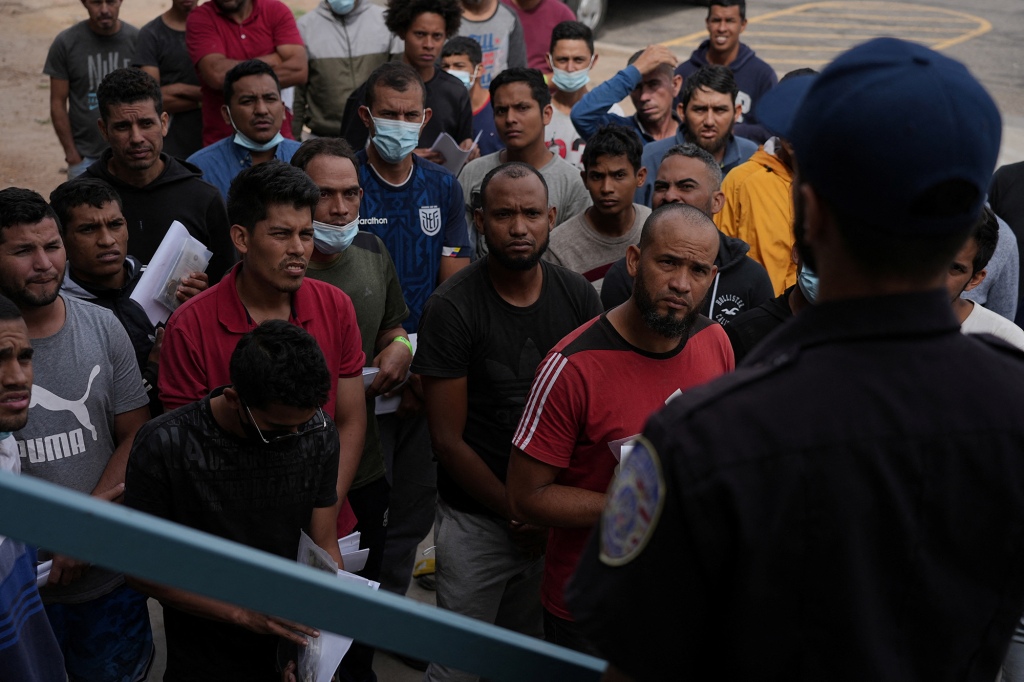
x=808 y=283
x=465 y=76
x=4 y=435
x=341 y=7
x=252 y=145
x=332 y=239
x=570 y=81
x=395 y=140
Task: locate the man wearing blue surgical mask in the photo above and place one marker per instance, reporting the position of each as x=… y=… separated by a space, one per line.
x=345 y=41
x=416 y=208
x=571 y=59
x=254 y=109
x=359 y=264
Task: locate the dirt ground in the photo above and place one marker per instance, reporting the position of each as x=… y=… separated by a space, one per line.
x=30 y=155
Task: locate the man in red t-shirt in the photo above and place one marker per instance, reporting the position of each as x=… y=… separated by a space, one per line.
x=271 y=209
x=594 y=391
x=222 y=33
x=539 y=18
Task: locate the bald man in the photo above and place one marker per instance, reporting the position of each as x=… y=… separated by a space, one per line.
x=595 y=390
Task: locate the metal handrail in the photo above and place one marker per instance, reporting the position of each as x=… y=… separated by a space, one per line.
x=154 y=549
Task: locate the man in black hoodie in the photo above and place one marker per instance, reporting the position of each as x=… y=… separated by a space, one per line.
x=95 y=236
x=690 y=175
x=155 y=188
x=726 y=20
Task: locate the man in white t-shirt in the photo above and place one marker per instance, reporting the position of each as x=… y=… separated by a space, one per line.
x=968 y=271
x=571 y=58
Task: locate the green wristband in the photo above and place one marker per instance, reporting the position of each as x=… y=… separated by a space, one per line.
x=405 y=342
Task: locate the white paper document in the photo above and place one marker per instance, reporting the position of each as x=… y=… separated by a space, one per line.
x=179 y=254
x=369 y=374
x=321 y=656
x=43 y=572
x=354 y=558
x=454 y=156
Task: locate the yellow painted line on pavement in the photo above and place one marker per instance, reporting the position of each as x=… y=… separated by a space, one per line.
x=753 y=36
x=700 y=35
x=886 y=29
x=894 y=17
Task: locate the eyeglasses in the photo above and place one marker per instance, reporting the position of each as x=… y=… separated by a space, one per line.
x=291 y=434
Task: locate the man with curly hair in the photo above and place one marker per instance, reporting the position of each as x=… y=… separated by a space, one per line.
x=424 y=25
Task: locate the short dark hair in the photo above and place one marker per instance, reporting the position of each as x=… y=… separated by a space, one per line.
x=8 y=310
x=81 y=190
x=323 y=146
x=713 y=77
x=464 y=45
x=396 y=76
x=128 y=86
x=400 y=14
x=692 y=151
x=742 y=4
x=269 y=184
x=689 y=213
x=572 y=30
x=986 y=235
x=613 y=140
x=532 y=77
x=20 y=206
x=514 y=170
x=280 y=363
x=250 y=67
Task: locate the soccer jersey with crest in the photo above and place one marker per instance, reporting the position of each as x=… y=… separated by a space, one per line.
x=420 y=222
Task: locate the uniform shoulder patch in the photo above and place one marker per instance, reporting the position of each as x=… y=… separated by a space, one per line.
x=634 y=505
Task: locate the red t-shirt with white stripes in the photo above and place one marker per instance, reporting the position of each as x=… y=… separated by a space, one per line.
x=593 y=391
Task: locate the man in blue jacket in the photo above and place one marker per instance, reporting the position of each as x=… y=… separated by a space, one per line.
x=726 y=20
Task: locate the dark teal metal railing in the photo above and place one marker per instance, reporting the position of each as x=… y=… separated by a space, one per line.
x=137 y=544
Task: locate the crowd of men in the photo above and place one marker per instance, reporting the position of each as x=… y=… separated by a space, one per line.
x=744 y=357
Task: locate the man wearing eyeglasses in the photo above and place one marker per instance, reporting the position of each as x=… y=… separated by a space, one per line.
x=271 y=208
x=255 y=462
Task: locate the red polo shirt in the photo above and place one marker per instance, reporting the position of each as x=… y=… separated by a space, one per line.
x=208 y=32
x=203 y=332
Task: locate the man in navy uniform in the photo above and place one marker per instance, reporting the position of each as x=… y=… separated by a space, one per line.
x=847 y=505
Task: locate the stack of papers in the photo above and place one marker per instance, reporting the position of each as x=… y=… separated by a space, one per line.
x=320 y=658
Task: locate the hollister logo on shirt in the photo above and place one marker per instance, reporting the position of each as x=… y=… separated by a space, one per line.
x=430 y=220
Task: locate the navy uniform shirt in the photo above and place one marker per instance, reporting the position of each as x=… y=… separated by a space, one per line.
x=847 y=506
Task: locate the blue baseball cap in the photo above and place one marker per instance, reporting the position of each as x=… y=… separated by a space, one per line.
x=883 y=127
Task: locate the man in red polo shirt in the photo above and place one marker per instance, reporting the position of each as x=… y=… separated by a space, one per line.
x=223 y=33
x=271 y=209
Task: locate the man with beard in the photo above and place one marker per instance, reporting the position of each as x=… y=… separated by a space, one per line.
x=689 y=175
x=483 y=333
x=87 y=403
x=709 y=111
x=155 y=188
x=595 y=390
x=838 y=508
x=726 y=21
